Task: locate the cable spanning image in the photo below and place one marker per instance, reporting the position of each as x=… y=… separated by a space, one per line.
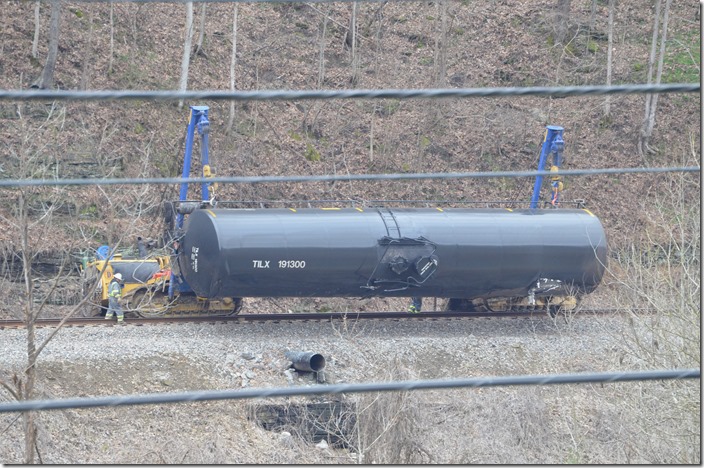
x=185 y=397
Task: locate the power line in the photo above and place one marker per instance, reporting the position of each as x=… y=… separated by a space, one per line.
x=182 y=397
x=267 y=95
x=338 y=178
x=238 y=1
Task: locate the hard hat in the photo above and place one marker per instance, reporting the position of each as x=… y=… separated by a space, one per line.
x=118 y=276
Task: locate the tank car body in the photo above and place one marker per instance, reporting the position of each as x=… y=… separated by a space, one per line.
x=447 y=253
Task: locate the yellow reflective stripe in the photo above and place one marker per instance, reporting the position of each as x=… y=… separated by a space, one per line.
x=292 y=209
x=330 y=209
x=211 y=213
x=439 y=209
x=590 y=213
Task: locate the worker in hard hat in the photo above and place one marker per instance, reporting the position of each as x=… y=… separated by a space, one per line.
x=114 y=296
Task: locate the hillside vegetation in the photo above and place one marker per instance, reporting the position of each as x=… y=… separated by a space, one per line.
x=303 y=46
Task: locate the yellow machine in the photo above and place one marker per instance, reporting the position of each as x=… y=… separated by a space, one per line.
x=145 y=288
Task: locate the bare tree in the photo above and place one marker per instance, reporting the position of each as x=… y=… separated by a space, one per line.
x=609 y=55
x=592 y=18
x=562 y=15
x=651 y=100
x=112 y=38
x=321 y=48
x=661 y=271
x=88 y=55
x=29 y=154
x=186 y=59
x=201 y=32
x=35 y=41
x=352 y=42
x=233 y=62
x=32 y=223
x=46 y=79
x=441 y=45
x=651 y=67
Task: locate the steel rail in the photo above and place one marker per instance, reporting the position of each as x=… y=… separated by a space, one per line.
x=305 y=317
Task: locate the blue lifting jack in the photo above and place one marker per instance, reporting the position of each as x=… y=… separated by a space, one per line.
x=198 y=121
x=553 y=145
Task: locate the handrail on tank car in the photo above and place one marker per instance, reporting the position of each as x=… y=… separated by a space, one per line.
x=578 y=203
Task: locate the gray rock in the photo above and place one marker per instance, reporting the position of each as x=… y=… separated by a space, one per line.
x=322 y=445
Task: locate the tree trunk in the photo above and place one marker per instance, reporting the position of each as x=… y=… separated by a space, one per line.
x=658 y=77
x=353 y=39
x=46 y=80
x=201 y=33
x=35 y=41
x=27 y=390
x=441 y=45
x=652 y=99
x=321 y=51
x=88 y=55
x=112 y=39
x=186 y=59
x=592 y=17
x=562 y=15
x=651 y=65
x=233 y=62
x=609 y=55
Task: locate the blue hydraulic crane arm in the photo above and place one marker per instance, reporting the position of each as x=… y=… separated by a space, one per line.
x=552 y=144
x=197 y=121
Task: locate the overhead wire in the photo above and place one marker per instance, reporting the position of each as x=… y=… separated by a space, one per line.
x=238 y=1
x=337 y=178
x=251 y=393
x=272 y=95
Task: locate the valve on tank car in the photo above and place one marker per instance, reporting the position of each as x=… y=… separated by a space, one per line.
x=403 y=263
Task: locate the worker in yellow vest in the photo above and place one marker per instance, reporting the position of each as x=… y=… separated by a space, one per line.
x=114 y=296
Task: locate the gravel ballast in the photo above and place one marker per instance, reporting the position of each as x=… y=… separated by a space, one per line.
x=129 y=360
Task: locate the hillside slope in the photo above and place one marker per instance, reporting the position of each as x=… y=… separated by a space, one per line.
x=302 y=46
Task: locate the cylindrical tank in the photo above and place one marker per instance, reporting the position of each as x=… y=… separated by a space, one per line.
x=465 y=253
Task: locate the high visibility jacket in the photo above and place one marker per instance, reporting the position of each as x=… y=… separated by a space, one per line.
x=115 y=290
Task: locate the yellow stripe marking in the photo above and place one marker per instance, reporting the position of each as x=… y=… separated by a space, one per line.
x=330 y=209
x=509 y=209
x=292 y=209
x=439 y=209
x=360 y=210
x=590 y=213
x=211 y=213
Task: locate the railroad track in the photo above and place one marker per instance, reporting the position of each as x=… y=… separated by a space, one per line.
x=79 y=322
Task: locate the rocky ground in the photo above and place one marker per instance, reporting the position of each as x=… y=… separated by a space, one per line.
x=550 y=424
